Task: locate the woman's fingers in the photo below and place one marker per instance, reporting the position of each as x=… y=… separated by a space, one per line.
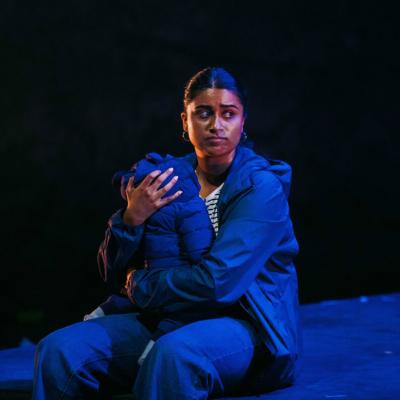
x=155 y=179
x=146 y=198
x=161 y=178
x=168 y=199
x=152 y=182
x=149 y=178
x=129 y=186
x=167 y=187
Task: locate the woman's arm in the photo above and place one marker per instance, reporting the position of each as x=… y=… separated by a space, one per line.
x=250 y=234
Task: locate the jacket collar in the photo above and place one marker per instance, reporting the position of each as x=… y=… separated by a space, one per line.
x=239 y=179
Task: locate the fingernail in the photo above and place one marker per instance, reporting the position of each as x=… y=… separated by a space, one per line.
x=180 y=192
x=170 y=169
x=175 y=178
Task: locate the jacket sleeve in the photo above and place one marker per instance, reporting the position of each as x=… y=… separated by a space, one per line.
x=250 y=233
x=119 y=250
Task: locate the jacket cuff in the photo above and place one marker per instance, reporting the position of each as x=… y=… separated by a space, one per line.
x=135 y=295
x=130 y=287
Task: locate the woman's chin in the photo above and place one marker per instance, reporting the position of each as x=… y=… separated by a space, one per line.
x=219 y=151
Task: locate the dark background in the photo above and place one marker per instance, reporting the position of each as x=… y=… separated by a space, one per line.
x=89 y=87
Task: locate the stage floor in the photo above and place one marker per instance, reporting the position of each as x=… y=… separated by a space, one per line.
x=351 y=351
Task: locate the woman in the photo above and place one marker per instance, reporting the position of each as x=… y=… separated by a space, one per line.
x=248 y=277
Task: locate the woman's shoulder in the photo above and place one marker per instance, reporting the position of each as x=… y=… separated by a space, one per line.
x=254 y=169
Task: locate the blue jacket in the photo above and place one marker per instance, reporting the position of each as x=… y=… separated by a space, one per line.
x=250 y=262
x=180 y=233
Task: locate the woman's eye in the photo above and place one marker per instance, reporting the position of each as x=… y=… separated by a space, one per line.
x=203 y=114
x=229 y=114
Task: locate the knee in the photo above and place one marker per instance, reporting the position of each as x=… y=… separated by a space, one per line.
x=173 y=369
x=49 y=343
x=172 y=355
x=51 y=353
x=63 y=350
x=171 y=349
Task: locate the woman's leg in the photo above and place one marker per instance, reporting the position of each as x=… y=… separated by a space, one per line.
x=202 y=359
x=83 y=359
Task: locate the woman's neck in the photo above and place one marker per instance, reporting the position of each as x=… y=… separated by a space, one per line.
x=211 y=173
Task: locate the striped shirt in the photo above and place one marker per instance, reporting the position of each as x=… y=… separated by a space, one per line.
x=211 y=203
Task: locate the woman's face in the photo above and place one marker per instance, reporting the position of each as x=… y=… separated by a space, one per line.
x=214 y=121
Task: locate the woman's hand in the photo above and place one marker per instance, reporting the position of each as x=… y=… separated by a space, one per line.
x=145 y=199
x=129 y=283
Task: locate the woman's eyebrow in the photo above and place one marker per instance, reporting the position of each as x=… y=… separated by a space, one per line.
x=221 y=105
x=229 y=105
x=202 y=106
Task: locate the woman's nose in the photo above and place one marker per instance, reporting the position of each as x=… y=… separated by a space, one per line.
x=216 y=124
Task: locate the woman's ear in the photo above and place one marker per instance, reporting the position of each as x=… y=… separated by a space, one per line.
x=184 y=121
x=244 y=120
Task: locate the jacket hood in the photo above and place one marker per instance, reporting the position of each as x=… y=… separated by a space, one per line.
x=247 y=163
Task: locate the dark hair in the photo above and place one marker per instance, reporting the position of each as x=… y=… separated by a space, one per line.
x=213 y=78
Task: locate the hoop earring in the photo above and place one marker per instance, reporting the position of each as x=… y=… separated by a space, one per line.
x=244 y=136
x=185 y=136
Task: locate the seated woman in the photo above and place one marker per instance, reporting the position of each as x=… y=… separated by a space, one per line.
x=248 y=277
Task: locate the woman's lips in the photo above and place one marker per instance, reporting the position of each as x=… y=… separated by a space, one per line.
x=215 y=140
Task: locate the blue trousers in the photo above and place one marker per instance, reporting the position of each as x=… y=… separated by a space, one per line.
x=95 y=358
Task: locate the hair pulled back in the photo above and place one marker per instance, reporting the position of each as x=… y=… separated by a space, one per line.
x=213 y=78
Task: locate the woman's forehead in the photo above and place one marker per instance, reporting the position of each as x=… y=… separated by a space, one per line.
x=216 y=98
